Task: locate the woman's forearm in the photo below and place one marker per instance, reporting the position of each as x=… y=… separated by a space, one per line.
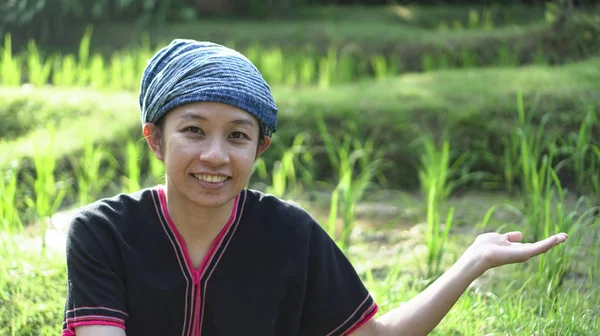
x=423 y=313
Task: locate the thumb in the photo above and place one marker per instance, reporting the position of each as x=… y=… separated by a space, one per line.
x=514 y=236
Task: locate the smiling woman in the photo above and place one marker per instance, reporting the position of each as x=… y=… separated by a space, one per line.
x=203 y=255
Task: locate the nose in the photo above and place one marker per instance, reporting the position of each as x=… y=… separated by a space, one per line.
x=214 y=152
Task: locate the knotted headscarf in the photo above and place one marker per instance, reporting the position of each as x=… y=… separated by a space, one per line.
x=188 y=71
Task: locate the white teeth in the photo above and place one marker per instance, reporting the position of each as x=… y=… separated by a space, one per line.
x=210 y=178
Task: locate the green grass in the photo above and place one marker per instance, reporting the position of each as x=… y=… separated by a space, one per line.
x=33 y=291
x=450 y=35
x=338 y=23
x=504 y=301
x=514 y=300
x=301 y=57
x=553 y=295
x=430 y=17
x=477 y=105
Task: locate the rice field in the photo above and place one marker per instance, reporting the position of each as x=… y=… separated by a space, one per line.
x=553 y=291
x=121 y=70
x=542 y=181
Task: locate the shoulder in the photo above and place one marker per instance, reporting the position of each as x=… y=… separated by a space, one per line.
x=111 y=214
x=273 y=209
x=286 y=220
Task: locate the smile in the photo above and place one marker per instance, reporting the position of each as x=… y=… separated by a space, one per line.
x=211 y=178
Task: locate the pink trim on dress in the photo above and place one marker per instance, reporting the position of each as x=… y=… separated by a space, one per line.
x=94 y=318
x=97 y=307
x=158 y=208
x=209 y=257
x=70 y=331
x=224 y=249
x=90 y=323
x=352 y=315
x=219 y=240
x=364 y=319
x=197 y=274
x=181 y=241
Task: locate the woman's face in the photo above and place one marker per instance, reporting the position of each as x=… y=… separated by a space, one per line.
x=208 y=149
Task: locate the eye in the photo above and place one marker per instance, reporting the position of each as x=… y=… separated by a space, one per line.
x=239 y=135
x=193 y=129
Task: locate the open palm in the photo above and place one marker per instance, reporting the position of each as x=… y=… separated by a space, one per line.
x=495 y=249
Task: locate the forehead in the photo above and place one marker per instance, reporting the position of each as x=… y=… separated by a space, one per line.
x=211 y=112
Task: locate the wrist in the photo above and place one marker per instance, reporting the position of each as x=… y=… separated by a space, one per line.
x=471 y=264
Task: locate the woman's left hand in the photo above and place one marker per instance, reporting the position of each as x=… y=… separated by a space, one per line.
x=495 y=249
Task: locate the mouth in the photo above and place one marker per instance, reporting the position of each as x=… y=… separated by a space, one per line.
x=211 y=178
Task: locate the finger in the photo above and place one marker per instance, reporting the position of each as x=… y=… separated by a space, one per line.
x=514 y=236
x=562 y=237
x=543 y=246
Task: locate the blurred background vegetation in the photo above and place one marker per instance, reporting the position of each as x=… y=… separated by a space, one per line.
x=405 y=128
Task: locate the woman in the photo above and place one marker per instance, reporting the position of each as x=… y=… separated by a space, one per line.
x=202 y=255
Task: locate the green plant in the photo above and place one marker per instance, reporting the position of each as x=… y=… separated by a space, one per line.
x=443 y=61
x=272 y=65
x=380 y=66
x=355 y=164
x=48 y=193
x=507 y=56
x=65 y=71
x=428 y=63
x=579 y=145
x=10 y=221
x=132 y=179
x=94 y=170
x=116 y=68
x=468 y=59
x=434 y=175
x=10 y=67
x=307 y=70
x=510 y=160
x=157 y=168
x=98 y=78
x=284 y=176
x=535 y=167
x=129 y=77
x=83 y=60
x=554 y=265
x=284 y=179
x=38 y=69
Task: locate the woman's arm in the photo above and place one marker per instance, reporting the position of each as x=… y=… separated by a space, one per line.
x=421 y=315
x=99 y=330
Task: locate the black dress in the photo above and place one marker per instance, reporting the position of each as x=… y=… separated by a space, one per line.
x=272 y=270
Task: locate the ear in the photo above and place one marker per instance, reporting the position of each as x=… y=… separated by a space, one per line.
x=266 y=143
x=154 y=139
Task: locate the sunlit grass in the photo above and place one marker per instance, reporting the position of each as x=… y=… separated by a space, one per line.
x=356 y=163
x=93 y=172
x=540 y=297
x=305 y=67
x=10 y=222
x=541 y=300
x=33 y=291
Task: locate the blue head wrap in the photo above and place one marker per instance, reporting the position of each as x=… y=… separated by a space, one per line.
x=188 y=71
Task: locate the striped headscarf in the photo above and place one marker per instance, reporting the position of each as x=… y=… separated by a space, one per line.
x=188 y=71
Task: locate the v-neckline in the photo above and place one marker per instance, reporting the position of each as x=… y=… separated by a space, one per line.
x=197 y=273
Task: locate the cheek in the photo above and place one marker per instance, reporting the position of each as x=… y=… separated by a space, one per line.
x=246 y=158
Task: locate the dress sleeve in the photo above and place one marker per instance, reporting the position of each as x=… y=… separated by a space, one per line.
x=96 y=294
x=336 y=301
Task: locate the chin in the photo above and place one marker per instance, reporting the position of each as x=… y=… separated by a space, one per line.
x=212 y=202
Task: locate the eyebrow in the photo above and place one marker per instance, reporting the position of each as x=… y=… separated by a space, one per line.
x=192 y=116
x=243 y=121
